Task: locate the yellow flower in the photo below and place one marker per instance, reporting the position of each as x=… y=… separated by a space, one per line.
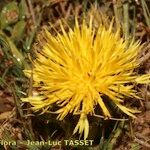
x=76 y=69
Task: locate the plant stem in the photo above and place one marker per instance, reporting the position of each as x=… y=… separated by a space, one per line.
x=126 y=19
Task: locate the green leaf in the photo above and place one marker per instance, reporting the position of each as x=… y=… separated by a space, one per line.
x=7 y=42
x=18 y=30
x=9 y=15
x=22 y=9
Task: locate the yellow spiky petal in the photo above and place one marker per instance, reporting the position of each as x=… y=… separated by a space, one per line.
x=77 y=68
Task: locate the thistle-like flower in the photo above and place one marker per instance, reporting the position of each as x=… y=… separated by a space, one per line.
x=75 y=69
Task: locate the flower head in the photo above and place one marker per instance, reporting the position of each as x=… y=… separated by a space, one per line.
x=77 y=68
